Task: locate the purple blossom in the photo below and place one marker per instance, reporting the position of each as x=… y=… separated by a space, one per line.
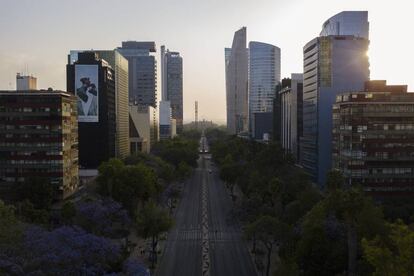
x=10 y=265
x=136 y=267
x=69 y=251
x=102 y=217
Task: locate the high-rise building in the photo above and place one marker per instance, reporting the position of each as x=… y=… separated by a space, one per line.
x=291 y=115
x=165 y=120
x=39 y=138
x=277 y=109
x=172 y=84
x=373 y=138
x=92 y=80
x=264 y=74
x=142 y=72
x=237 y=84
x=24 y=83
x=120 y=65
x=332 y=64
x=347 y=23
x=142 y=92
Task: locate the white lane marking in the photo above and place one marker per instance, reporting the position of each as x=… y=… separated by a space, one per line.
x=205 y=266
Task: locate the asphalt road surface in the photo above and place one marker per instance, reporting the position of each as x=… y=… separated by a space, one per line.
x=227 y=253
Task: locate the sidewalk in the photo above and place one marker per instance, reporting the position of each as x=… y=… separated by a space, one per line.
x=161 y=243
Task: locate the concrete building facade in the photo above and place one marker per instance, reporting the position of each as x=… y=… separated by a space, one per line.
x=165 y=130
x=373 y=138
x=39 y=138
x=24 y=83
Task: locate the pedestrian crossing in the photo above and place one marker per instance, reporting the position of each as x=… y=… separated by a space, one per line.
x=196 y=234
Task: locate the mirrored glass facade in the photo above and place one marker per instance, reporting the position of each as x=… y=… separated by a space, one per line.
x=264 y=74
x=347 y=23
x=332 y=64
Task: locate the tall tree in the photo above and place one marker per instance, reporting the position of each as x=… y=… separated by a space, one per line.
x=10 y=229
x=392 y=254
x=356 y=211
x=270 y=232
x=130 y=185
x=152 y=221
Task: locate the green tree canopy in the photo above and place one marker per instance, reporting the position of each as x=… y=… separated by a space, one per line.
x=391 y=254
x=152 y=221
x=129 y=185
x=177 y=150
x=270 y=232
x=10 y=228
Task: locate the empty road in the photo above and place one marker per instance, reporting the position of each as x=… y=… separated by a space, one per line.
x=206 y=239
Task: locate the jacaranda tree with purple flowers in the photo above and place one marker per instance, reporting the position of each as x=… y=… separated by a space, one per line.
x=136 y=267
x=69 y=251
x=104 y=217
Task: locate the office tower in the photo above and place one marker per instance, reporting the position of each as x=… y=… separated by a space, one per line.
x=165 y=120
x=237 y=84
x=164 y=96
x=142 y=72
x=24 y=83
x=142 y=91
x=277 y=109
x=373 y=138
x=291 y=115
x=264 y=74
x=347 y=23
x=92 y=80
x=120 y=66
x=332 y=64
x=39 y=138
x=172 y=84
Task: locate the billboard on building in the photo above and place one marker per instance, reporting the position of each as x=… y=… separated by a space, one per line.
x=87 y=92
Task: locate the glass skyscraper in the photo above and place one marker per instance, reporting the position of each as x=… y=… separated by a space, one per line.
x=264 y=74
x=172 y=84
x=332 y=64
x=237 y=84
x=347 y=23
x=142 y=72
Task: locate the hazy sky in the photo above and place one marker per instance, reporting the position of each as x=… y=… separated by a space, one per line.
x=38 y=34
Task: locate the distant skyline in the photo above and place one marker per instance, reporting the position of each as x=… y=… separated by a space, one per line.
x=38 y=35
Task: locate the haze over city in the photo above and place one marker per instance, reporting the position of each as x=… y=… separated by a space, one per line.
x=206 y=137
x=37 y=36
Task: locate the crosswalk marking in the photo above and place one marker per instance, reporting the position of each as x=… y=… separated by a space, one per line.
x=197 y=234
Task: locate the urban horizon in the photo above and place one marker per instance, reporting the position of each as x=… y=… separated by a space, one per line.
x=118 y=162
x=200 y=82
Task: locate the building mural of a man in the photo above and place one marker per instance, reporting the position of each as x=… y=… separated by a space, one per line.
x=87 y=98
